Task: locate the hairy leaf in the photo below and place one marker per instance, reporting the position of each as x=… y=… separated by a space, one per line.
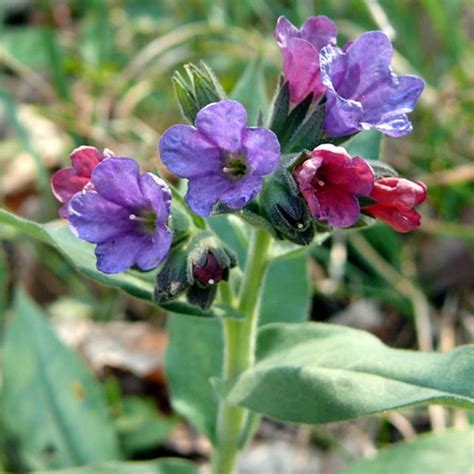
x=318 y=373
x=53 y=409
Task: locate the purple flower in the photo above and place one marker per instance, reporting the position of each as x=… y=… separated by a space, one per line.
x=125 y=214
x=223 y=159
x=68 y=181
x=362 y=92
x=300 y=50
x=330 y=181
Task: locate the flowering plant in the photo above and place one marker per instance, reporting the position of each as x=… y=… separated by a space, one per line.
x=290 y=180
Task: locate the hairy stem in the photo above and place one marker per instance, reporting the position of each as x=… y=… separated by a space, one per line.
x=239 y=354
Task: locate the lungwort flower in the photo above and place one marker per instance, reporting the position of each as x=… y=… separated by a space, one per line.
x=330 y=181
x=125 y=214
x=362 y=91
x=223 y=159
x=68 y=181
x=396 y=199
x=300 y=50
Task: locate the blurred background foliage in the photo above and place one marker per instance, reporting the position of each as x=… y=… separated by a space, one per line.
x=98 y=72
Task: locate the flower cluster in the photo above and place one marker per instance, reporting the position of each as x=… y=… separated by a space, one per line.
x=362 y=93
x=328 y=94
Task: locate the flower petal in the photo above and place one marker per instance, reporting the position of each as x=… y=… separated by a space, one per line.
x=156 y=248
x=187 y=153
x=284 y=31
x=118 y=254
x=84 y=159
x=157 y=192
x=204 y=192
x=400 y=221
x=301 y=70
x=262 y=150
x=222 y=123
x=95 y=219
x=65 y=183
x=363 y=93
x=116 y=179
x=338 y=208
x=241 y=192
x=319 y=31
x=342 y=116
x=352 y=175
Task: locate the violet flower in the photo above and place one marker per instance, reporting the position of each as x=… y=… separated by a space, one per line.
x=362 y=91
x=396 y=199
x=125 y=214
x=330 y=181
x=68 y=181
x=223 y=159
x=300 y=50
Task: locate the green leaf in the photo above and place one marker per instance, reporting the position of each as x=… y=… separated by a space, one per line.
x=81 y=254
x=382 y=170
x=280 y=108
x=53 y=409
x=450 y=451
x=287 y=294
x=186 y=101
x=193 y=357
x=294 y=120
x=160 y=466
x=318 y=373
x=141 y=426
x=25 y=45
x=250 y=90
x=365 y=144
x=308 y=133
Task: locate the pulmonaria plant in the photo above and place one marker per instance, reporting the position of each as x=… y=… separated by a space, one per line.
x=284 y=179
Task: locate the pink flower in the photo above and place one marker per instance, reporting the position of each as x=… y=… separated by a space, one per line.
x=68 y=181
x=330 y=181
x=300 y=50
x=396 y=199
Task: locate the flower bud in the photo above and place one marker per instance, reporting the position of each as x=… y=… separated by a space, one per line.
x=172 y=279
x=395 y=200
x=285 y=209
x=198 y=89
x=195 y=268
x=208 y=262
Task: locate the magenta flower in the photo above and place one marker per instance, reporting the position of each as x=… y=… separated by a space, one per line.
x=211 y=273
x=396 y=199
x=330 y=181
x=223 y=159
x=300 y=50
x=125 y=214
x=362 y=91
x=68 y=181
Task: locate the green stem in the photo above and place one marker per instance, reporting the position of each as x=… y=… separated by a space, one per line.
x=239 y=354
